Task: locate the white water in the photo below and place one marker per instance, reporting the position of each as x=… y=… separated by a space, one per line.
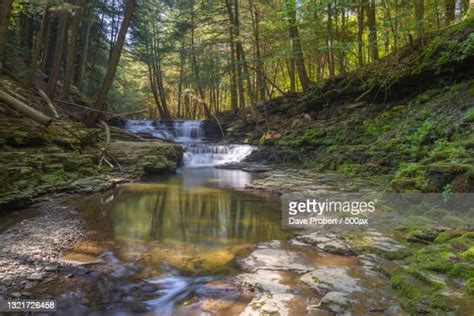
x=197 y=152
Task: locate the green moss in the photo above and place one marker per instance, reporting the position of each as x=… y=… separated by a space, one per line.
x=420 y=295
x=448 y=235
x=470 y=286
x=469 y=115
x=410 y=176
x=352 y=170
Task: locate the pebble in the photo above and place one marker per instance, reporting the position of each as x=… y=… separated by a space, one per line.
x=35 y=277
x=51 y=268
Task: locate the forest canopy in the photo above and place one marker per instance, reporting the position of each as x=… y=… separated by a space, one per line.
x=195 y=58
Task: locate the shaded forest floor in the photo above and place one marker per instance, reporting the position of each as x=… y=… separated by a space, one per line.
x=407 y=120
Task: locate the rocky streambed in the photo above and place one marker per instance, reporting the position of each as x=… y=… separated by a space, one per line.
x=409 y=266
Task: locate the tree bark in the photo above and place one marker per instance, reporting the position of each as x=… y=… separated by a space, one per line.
x=58 y=53
x=450 y=9
x=233 y=63
x=71 y=49
x=360 y=32
x=419 y=12
x=296 y=43
x=39 y=44
x=260 y=81
x=4 y=23
x=371 y=24
x=331 y=67
x=100 y=103
x=83 y=56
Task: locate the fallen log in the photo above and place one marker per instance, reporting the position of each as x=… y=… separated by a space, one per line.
x=24 y=109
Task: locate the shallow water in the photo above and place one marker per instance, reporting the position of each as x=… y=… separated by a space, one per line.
x=175 y=233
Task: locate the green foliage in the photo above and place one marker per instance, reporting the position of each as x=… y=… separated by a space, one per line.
x=469 y=116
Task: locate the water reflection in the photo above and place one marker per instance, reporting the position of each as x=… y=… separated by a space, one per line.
x=189 y=208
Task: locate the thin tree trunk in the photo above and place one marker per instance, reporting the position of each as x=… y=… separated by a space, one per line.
x=296 y=43
x=260 y=81
x=233 y=64
x=71 y=49
x=181 y=71
x=100 y=103
x=331 y=67
x=4 y=23
x=360 y=32
x=371 y=24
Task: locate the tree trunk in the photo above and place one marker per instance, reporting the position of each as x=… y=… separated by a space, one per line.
x=26 y=38
x=233 y=64
x=58 y=53
x=100 y=103
x=371 y=24
x=4 y=23
x=181 y=74
x=450 y=9
x=296 y=43
x=71 y=49
x=419 y=12
x=39 y=44
x=84 y=53
x=331 y=67
x=48 y=48
x=360 y=32
x=260 y=81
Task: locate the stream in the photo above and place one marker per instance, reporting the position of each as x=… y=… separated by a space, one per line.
x=173 y=239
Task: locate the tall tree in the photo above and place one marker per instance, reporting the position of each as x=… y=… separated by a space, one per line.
x=58 y=52
x=71 y=48
x=419 y=12
x=450 y=9
x=360 y=31
x=290 y=6
x=372 y=26
x=38 y=46
x=100 y=103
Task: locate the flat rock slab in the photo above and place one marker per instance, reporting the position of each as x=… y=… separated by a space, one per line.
x=272 y=296
x=329 y=279
x=327 y=242
x=381 y=243
x=276 y=260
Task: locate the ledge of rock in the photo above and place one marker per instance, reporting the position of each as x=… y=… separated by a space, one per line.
x=147 y=158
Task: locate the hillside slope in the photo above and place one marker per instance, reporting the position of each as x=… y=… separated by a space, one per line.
x=408 y=117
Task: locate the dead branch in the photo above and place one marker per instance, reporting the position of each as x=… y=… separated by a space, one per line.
x=50 y=104
x=130 y=113
x=107 y=143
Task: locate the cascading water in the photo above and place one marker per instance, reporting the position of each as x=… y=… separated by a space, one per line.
x=190 y=133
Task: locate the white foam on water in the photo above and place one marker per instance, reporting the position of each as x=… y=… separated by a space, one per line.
x=206 y=155
x=191 y=134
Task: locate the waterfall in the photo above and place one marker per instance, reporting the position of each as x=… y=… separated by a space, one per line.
x=198 y=152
